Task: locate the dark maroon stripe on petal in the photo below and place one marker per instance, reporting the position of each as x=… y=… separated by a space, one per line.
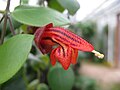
x=73 y=39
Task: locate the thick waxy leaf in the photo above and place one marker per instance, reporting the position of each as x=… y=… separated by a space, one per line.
x=13 y=54
x=60 y=79
x=71 y=5
x=55 y=5
x=38 y=16
x=42 y=86
x=15 y=83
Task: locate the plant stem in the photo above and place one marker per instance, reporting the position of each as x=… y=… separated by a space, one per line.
x=38 y=74
x=2 y=18
x=8 y=6
x=24 y=76
x=11 y=26
x=5 y=22
x=3 y=30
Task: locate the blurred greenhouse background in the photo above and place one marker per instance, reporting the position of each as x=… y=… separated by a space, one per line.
x=101 y=27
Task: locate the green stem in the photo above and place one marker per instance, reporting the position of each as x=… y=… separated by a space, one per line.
x=38 y=74
x=11 y=26
x=24 y=76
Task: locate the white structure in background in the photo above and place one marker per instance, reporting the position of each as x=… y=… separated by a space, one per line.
x=13 y=4
x=108 y=13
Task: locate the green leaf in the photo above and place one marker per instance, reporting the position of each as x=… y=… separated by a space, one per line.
x=33 y=84
x=71 y=5
x=38 y=16
x=60 y=79
x=42 y=86
x=13 y=54
x=55 y=5
x=15 y=83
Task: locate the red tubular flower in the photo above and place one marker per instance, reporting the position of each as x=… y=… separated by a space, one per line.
x=67 y=44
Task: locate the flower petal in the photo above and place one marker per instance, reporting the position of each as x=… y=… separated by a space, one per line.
x=45 y=45
x=68 y=38
x=52 y=57
x=50 y=25
x=64 y=56
x=38 y=36
x=74 y=56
